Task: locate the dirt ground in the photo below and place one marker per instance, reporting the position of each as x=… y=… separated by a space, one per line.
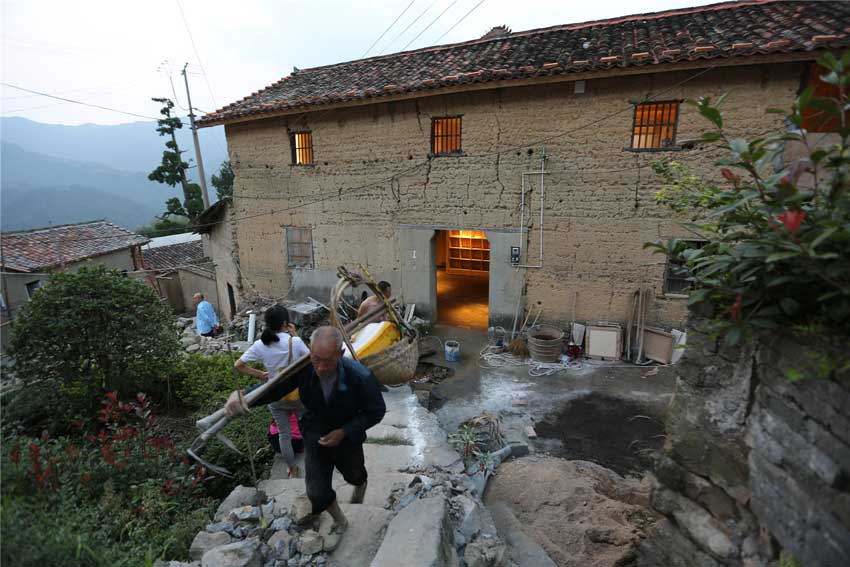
x=582 y=514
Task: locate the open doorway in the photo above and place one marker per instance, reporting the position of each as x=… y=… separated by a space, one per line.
x=463 y=278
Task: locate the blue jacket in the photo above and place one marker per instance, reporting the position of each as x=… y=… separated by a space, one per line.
x=205 y=318
x=355 y=405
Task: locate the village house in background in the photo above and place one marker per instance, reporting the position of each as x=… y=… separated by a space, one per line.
x=177 y=267
x=512 y=170
x=218 y=229
x=29 y=257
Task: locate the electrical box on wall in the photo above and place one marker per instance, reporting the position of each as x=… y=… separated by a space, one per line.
x=515 y=254
x=579 y=87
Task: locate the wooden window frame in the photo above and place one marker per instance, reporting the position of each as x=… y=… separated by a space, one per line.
x=452 y=135
x=37 y=283
x=296 y=150
x=296 y=257
x=674 y=264
x=673 y=146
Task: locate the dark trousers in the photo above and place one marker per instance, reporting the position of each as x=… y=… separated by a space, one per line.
x=319 y=462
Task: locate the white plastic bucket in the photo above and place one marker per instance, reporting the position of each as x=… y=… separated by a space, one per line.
x=452 y=351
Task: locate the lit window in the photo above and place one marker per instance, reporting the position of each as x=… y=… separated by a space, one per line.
x=302 y=148
x=445 y=136
x=299 y=247
x=654 y=126
x=816 y=120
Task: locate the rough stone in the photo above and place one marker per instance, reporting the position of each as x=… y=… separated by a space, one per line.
x=484 y=552
x=220 y=527
x=360 y=542
x=205 y=541
x=302 y=510
x=521 y=548
x=161 y=563
x=193 y=348
x=244 y=513
x=281 y=523
x=419 y=536
x=280 y=544
x=240 y=496
x=244 y=553
x=310 y=542
x=706 y=531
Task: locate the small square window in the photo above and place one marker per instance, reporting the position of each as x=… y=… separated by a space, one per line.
x=302 y=148
x=654 y=125
x=32 y=287
x=676 y=275
x=445 y=136
x=299 y=247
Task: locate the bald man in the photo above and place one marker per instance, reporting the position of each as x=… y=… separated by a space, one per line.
x=343 y=401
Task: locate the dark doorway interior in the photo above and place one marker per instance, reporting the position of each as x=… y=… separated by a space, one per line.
x=231 y=297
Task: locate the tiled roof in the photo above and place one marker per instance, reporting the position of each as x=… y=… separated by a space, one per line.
x=31 y=250
x=173 y=255
x=717 y=31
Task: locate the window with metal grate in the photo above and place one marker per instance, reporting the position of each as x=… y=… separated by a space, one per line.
x=654 y=126
x=302 y=148
x=445 y=136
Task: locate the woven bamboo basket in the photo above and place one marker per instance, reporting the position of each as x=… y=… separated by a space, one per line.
x=396 y=364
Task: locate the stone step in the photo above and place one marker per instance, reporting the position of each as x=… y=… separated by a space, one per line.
x=419 y=536
x=360 y=542
x=285 y=491
x=522 y=549
x=392 y=458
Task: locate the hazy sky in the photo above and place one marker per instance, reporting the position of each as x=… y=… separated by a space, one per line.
x=111 y=52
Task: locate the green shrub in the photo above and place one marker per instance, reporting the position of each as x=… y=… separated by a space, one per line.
x=777 y=233
x=90 y=332
x=104 y=497
x=204 y=382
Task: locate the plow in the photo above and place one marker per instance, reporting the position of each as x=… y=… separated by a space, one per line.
x=395 y=364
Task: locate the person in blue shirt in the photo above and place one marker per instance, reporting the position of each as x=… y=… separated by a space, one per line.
x=205 y=320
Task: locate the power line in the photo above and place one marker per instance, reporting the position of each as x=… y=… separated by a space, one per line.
x=416 y=19
x=403 y=12
x=458 y=22
x=89 y=97
x=79 y=102
x=429 y=25
x=195 y=48
x=339 y=193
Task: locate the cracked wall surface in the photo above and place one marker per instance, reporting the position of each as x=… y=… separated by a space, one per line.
x=372 y=174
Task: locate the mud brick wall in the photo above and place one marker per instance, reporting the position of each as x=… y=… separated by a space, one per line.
x=755 y=463
x=599 y=204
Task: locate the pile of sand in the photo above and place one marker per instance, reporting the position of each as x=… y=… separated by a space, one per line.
x=582 y=514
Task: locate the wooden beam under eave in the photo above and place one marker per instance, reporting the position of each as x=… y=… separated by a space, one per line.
x=532 y=81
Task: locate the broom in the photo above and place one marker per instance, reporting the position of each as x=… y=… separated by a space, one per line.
x=517 y=347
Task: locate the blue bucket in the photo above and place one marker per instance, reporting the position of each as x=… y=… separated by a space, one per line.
x=452 y=351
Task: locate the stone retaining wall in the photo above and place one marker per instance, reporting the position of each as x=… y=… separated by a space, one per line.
x=755 y=463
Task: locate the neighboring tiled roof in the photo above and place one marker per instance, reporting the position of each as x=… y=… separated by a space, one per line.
x=31 y=250
x=173 y=255
x=205 y=221
x=717 y=31
x=206 y=269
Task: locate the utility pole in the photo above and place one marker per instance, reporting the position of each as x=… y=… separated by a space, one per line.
x=197 y=144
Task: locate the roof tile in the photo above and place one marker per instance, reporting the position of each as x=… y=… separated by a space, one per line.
x=31 y=250
x=710 y=32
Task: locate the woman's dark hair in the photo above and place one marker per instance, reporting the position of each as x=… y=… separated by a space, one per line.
x=276 y=317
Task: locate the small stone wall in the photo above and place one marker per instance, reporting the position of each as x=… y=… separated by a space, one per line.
x=755 y=463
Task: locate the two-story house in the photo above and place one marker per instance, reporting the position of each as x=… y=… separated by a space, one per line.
x=512 y=170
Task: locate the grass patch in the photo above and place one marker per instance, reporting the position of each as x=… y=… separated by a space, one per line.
x=388 y=440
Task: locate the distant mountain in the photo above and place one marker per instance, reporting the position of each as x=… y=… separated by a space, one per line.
x=37 y=190
x=134 y=146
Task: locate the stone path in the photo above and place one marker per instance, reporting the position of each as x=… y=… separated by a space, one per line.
x=420 y=510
